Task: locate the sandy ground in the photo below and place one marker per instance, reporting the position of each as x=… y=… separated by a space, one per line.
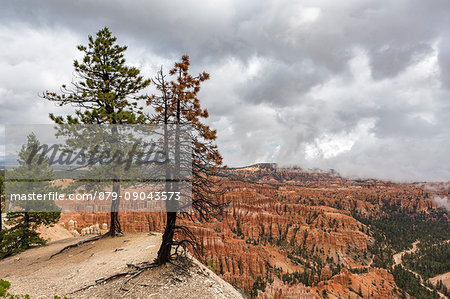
x=33 y=272
x=398 y=256
x=54 y=233
x=444 y=277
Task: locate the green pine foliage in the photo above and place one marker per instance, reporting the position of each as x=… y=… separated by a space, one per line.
x=396 y=231
x=105 y=89
x=409 y=283
x=21 y=232
x=430 y=261
x=258 y=285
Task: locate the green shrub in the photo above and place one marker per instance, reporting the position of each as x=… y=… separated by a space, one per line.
x=4 y=286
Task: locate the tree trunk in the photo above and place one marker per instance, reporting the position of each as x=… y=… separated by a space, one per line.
x=171 y=214
x=167 y=239
x=114 y=228
x=26 y=219
x=171 y=217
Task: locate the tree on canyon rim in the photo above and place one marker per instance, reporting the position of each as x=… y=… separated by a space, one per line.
x=31 y=175
x=104 y=91
x=178 y=104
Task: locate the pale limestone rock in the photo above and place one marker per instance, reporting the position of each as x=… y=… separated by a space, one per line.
x=97 y=228
x=71 y=225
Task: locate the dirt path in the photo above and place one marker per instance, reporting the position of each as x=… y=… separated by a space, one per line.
x=398 y=261
x=33 y=272
x=398 y=256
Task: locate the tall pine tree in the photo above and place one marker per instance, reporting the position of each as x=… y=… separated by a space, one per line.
x=105 y=91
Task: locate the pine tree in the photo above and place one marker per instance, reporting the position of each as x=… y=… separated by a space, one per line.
x=31 y=175
x=179 y=104
x=105 y=91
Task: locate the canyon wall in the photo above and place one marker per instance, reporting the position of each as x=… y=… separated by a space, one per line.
x=288 y=221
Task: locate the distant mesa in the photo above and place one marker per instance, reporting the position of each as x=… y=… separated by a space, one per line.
x=267 y=166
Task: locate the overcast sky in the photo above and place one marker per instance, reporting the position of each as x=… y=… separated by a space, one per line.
x=362 y=87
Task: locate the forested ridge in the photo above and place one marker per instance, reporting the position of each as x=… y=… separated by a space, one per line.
x=395 y=231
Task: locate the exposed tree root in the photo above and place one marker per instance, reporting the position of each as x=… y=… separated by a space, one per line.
x=79 y=244
x=138 y=269
x=102 y=280
x=130 y=289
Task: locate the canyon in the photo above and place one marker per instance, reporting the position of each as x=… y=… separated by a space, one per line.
x=291 y=233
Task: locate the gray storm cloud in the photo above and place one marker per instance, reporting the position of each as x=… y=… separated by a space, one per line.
x=362 y=86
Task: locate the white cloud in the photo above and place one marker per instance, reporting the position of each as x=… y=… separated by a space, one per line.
x=442 y=202
x=331 y=145
x=361 y=86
